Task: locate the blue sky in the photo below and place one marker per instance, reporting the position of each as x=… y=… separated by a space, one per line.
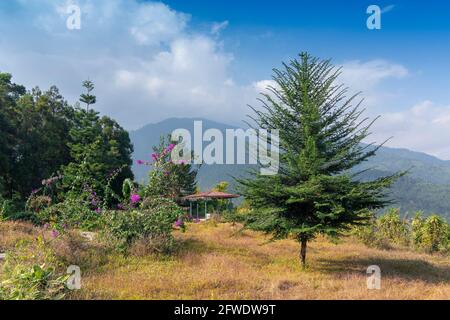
x=153 y=60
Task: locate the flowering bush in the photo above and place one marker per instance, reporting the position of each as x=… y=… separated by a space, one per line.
x=72 y=213
x=167 y=178
x=154 y=222
x=135 y=198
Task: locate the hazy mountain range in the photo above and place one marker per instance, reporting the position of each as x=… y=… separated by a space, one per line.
x=426 y=187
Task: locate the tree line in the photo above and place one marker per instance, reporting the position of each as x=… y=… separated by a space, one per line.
x=43 y=138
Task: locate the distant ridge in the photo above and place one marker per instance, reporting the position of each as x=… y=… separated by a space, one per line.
x=426 y=188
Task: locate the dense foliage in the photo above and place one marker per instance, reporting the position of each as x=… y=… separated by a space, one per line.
x=431 y=234
x=154 y=224
x=45 y=140
x=321 y=131
x=167 y=178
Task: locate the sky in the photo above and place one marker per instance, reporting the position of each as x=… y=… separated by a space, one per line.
x=201 y=58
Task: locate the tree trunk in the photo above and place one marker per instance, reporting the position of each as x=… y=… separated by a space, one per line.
x=303 y=243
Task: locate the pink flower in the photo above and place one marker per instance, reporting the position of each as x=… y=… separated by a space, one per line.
x=179 y=223
x=170 y=148
x=140 y=162
x=135 y=198
x=54 y=233
x=181 y=162
x=155 y=156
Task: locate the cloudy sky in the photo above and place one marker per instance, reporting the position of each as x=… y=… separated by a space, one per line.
x=200 y=58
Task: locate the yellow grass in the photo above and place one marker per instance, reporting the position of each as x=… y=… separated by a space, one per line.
x=214 y=262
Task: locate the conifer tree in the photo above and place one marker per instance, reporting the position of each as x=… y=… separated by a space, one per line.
x=87 y=97
x=321 y=134
x=99 y=146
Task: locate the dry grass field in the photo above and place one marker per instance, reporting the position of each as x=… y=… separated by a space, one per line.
x=218 y=262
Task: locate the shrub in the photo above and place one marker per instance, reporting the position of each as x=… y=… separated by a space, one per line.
x=391 y=227
x=71 y=213
x=37 y=203
x=154 y=224
x=13 y=210
x=32 y=272
x=235 y=216
x=370 y=235
x=430 y=234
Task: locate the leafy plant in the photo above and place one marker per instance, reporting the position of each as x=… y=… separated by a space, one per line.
x=71 y=213
x=30 y=272
x=154 y=222
x=430 y=234
x=391 y=227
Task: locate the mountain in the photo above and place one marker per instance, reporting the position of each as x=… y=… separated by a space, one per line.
x=426 y=187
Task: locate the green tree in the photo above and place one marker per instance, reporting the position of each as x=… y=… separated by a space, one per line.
x=9 y=95
x=321 y=131
x=169 y=179
x=99 y=147
x=221 y=205
x=88 y=98
x=34 y=135
x=45 y=119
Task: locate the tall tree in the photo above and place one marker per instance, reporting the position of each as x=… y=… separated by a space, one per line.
x=45 y=119
x=88 y=98
x=34 y=136
x=99 y=146
x=321 y=134
x=9 y=95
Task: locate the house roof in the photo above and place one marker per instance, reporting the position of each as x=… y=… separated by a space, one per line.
x=211 y=195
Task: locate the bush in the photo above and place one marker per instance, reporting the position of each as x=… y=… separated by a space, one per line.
x=430 y=234
x=391 y=227
x=37 y=203
x=32 y=272
x=71 y=213
x=235 y=216
x=13 y=210
x=153 y=225
x=369 y=235
x=384 y=232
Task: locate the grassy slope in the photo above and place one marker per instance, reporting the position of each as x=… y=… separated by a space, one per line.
x=216 y=264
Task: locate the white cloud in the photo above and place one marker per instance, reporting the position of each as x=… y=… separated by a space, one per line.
x=156 y=23
x=145 y=59
x=425 y=127
x=148 y=64
x=366 y=75
x=264 y=86
x=218 y=27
